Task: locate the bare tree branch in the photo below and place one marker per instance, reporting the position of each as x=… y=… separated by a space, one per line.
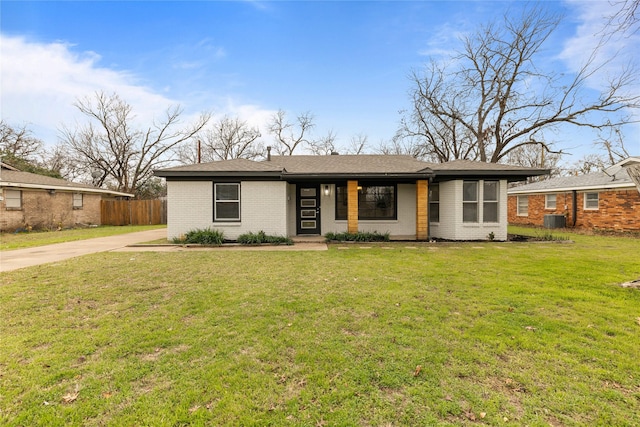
x=124 y=156
x=290 y=136
x=491 y=99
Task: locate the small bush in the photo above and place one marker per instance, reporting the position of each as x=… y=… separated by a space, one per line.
x=207 y=237
x=260 y=238
x=547 y=235
x=360 y=236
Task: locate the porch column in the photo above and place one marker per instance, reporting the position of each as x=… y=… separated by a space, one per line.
x=422 y=209
x=352 y=206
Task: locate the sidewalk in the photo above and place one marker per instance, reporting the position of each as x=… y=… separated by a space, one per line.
x=21 y=258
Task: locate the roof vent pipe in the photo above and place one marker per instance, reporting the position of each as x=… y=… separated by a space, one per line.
x=268 y=153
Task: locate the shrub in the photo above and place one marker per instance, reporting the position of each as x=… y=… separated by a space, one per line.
x=205 y=236
x=262 y=238
x=547 y=235
x=360 y=236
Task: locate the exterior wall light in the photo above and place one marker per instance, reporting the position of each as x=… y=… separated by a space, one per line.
x=327 y=190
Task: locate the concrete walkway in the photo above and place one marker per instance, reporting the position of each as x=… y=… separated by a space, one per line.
x=21 y=258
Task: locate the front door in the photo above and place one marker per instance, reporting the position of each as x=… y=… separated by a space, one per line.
x=308 y=209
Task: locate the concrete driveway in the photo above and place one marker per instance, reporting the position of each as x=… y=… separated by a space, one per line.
x=20 y=258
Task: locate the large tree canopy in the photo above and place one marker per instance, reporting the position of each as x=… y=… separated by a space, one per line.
x=118 y=154
x=492 y=98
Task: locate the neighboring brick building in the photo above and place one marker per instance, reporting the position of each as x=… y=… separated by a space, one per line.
x=608 y=200
x=29 y=200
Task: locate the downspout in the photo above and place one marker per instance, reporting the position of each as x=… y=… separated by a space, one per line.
x=574 y=207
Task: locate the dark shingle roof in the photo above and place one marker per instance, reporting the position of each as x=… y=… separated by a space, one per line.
x=349 y=164
x=345 y=166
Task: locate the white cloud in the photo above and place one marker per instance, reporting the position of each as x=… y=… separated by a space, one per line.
x=41 y=81
x=614 y=56
x=616 y=53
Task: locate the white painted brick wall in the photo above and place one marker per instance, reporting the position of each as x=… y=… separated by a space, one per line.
x=263 y=206
x=189 y=206
x=451 y=226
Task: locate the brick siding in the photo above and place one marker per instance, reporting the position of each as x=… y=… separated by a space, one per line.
x=42 y=210
x=618 y=210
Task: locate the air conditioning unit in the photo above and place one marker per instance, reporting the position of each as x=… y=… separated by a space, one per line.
x=555 y=221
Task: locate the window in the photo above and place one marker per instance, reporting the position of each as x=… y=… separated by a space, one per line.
x=523 y=205
x=490 y=197
x=226 y=206
x=77 y=201
x=550 y=201
x=434 y=203
x=13 y=199
x=375 y=202
x=591 y=201
x=470 y=201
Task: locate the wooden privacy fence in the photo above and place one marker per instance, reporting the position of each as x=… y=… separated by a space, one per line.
x=133 y=212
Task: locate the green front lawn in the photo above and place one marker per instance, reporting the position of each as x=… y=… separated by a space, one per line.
x=484 y=333
x=10 y=241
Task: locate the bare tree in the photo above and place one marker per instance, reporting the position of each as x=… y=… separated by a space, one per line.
x=587 y=164
x=358 y=144
x=18 y=142
x=123 y=155
x=491 y=98
x=324 y=145
x=535 y=156
x=289 y=136
x=228 y=138
x=626 y=17
x=403 y=146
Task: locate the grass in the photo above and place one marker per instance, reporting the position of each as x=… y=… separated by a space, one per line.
x=481 y=333
x=9 y=241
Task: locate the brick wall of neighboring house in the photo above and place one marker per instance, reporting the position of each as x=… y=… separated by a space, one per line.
x=42 y=210
x=618 y=210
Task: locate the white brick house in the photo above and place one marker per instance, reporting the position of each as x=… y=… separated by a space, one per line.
x=314 y=195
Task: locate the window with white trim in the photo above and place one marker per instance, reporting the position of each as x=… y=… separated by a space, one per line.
x=591 y=201
x=523 y=206
x=77 y=201
x=470 y=201
x=13 y=199
x=550 y=201
x=490 y=197
x=434 y=203
x=226 y=201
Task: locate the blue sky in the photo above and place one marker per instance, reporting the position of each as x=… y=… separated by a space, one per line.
x=345 y=62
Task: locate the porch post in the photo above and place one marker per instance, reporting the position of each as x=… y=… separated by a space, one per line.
x=352 y=206
x=422 y=209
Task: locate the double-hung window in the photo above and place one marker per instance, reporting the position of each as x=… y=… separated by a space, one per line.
x=77 y=201
x=434 y=203
x=226 y=201
x=591 y=201
x=550 y=201
x=13 y=199
x=490 y=196
x=523 y=205
x=470 y=201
